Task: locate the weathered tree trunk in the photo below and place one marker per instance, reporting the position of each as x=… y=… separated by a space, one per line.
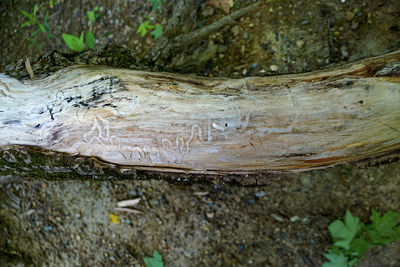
x=165 y=122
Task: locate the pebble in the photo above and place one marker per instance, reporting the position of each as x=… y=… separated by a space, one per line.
x=354 y=26
x=245 y=35
x=235 y=30
x=294 y=218
x=251 y=201
x=300 y=43
x=210 y=215
x=305 y=22
x=260 y=194
x=273 y=67
x=251 y=25
x=277 y=217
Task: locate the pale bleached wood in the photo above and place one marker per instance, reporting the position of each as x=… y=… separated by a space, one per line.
x=183 y=123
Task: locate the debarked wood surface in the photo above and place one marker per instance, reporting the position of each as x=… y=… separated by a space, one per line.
x=163 y=121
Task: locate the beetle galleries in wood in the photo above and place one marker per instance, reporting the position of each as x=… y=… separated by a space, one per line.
x=192 y=124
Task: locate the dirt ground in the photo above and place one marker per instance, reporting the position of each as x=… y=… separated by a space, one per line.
x=67 y=223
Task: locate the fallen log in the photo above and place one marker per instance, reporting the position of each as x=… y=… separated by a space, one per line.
x=178 y=123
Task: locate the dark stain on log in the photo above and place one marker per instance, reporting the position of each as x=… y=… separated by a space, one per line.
x=340 y=84
x=298 y=155
x=323 y=160
x=12 y=122
x=50 y=110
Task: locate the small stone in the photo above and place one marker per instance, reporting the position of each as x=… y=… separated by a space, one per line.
x=258 y=14
x=251 y=201
x=300 y=43
x=294 y=218
x=235 y=30
x=305 y=22
x=210 y=215
x=251 y=25
x=260 y=194
x=277 y=217
x=354 y=26
x=245 y=35
x=273 y=67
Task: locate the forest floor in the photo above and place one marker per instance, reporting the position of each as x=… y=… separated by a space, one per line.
x=74 y=223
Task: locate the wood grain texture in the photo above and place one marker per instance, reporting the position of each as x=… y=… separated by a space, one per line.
x=169 y=122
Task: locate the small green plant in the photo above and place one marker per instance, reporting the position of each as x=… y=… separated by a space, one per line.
x=41 y=27
x=34 y=21
x=155 y=261
x=352 y=238
x=52 y=3
x=92 y=14
x=156 y=3
x=157 y=29
x=78 y=44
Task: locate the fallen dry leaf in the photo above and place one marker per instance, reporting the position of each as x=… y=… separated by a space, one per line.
x=114 y=218
x=224 y=5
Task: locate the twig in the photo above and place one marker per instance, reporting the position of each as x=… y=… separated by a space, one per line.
x=167 y=48
x=29 y=68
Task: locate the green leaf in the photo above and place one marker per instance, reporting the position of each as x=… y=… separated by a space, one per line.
x=35 y=9
x=26 y=14
x=335 y=260
x=73 y=42
x=35 y=32
x=359 y=246
x=384 y=229
x=155 y=3
x=155 y=261
x=91 y=16
x=26 y=24
x=45 y=20
x=144 y=27
x=42 y=28
x=344 y=233
x=158 y=31
x=90 y=40
x=81 y=38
